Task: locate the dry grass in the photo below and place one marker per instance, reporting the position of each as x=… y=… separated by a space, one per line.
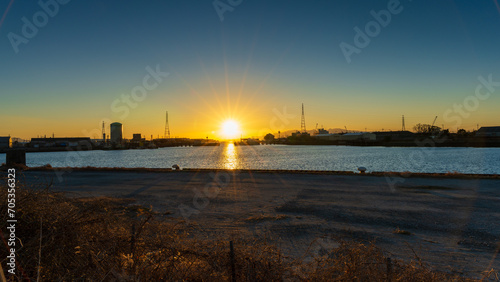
x=106 y=239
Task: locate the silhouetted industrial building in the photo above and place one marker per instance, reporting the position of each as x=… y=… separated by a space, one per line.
x=5 y=142
x=71 y=142
x=116 y=132
x=402 y=135
x=137 y=137
x=488 y=131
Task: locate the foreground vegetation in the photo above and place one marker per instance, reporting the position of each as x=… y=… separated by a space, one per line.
x=108 y=239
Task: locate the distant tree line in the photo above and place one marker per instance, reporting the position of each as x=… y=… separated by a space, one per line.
x=426 y=128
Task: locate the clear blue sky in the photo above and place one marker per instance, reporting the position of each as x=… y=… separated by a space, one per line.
x=263 y=56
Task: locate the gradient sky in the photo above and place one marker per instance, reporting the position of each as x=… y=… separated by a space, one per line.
x=263 y=57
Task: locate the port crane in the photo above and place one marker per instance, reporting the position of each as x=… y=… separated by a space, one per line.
x=432 y=126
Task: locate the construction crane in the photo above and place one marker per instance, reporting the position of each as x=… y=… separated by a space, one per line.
x=432 y=126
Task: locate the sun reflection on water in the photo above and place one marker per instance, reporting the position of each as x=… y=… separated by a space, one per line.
x=230 y=157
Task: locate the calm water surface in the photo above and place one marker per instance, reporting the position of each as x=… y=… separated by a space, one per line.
x=344 y=158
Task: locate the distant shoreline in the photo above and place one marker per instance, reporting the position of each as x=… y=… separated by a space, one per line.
x=397 y=144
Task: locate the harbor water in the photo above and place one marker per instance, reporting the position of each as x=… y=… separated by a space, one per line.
x=284 y=157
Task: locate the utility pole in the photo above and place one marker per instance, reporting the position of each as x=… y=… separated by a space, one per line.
x=403 y=128
x=103 y=132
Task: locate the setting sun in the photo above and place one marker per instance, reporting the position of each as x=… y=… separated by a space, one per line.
x=230 y=129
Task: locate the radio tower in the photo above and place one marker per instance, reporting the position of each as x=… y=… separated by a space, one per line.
x=303 y=122
x=167 y=129
x=403 y=128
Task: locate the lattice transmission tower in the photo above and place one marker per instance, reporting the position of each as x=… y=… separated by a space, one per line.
x=167 y=129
